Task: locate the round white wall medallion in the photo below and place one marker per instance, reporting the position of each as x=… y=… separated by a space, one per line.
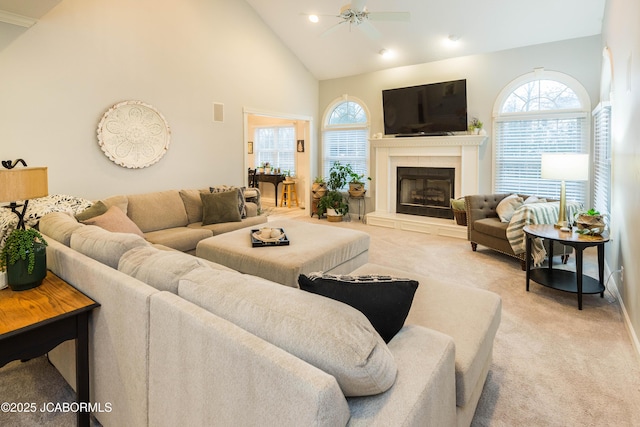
x=133 y=134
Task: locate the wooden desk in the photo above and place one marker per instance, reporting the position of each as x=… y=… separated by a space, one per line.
x=34 y=321
x=275 y=179
x=565 y=280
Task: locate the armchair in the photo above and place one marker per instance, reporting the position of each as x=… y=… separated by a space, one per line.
x=485 y=228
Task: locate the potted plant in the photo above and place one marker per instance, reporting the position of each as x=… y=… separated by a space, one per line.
x=333 y=199
x=475 y=125
x=356 y=184
x=25 y=259
x=590 y=222
x=319 y=187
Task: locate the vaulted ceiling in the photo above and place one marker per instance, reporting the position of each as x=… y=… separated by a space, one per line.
x=479 y=26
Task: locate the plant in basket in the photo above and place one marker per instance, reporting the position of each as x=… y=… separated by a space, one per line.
x=590 y=222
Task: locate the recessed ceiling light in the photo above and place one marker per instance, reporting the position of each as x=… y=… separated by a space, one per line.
x=314 y=18
x=386 y=53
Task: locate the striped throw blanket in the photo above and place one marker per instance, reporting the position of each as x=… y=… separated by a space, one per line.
x=535 y=213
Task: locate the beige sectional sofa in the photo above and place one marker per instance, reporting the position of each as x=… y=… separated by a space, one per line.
x=181 y=340
x=173 y=218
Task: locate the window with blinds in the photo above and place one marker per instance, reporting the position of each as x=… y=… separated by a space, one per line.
x=345 y=137
x=539 y=116
x=602 y=158
x=277 y=146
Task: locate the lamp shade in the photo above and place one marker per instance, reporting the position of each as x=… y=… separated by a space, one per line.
x=23 y=184
x=566 y=167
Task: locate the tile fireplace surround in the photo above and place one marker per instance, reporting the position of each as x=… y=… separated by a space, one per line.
x=387 y=154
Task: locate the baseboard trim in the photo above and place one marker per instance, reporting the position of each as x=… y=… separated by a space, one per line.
x=613 y=287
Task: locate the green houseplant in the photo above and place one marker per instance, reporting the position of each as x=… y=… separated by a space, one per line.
x=356 y=184
x=333 y=199
x=24 y=257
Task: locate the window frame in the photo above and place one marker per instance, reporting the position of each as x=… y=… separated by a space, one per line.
x=327 y=127
x=584 y=113
x=257 y=150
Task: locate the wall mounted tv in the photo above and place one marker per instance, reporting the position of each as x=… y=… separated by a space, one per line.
x=430 y=109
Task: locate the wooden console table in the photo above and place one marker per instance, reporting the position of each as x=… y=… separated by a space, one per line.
x=275 y=179
x=564 y=280
x=34 y=321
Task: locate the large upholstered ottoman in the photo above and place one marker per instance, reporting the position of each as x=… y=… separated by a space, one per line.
x=313 y=247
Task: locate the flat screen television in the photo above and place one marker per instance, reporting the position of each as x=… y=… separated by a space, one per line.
x=430 y=109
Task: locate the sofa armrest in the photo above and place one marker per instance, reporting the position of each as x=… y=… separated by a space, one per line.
x=204 y=370
x=424 y=393
x=481 y=206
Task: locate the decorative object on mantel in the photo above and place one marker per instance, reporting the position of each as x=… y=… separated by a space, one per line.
x=133 y=134
x=475 y=126
x=23 y=254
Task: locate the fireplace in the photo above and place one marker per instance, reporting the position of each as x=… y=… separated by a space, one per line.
x=425 y=191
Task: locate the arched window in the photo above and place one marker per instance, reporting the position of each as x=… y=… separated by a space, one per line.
x=541 y=112
x=345 y=135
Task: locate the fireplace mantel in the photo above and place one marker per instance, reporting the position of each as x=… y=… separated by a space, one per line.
x=459 y=151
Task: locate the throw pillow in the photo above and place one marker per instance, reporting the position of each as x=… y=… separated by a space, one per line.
x=384 y=300
x=192 y=204
x=241 y=200
x=457 y=204
x=115 y=220
x=508 y=206
x=220 y=207
x=533 y=199
x=98 y=208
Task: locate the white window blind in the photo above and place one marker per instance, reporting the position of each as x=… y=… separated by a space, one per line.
x=519 y=145
x=346 y=146
x=277 y=146
x=602 y=158
x=346 y=137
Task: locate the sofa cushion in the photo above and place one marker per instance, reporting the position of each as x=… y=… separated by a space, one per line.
x=114 y=220
x=162 y=269
x=328 y=334
x=192 y=204
x=385 y=300
x=102 y=245
x=179 y=238
x=508 y=206
x=120 y=201
x=98 y=208
x=59 y=226
x=225 y=227
x=241 y=198
x=220 y=207
x=157 y=211
x=470 y=316
x=492 y=227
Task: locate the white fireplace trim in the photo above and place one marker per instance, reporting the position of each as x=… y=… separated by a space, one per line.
x=458 y=151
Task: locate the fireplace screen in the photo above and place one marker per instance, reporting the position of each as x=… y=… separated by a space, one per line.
x=425 y=191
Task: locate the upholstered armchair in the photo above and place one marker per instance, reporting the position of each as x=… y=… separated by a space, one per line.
x=485 y=228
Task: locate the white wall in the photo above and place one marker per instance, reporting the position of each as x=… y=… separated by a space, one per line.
x=180 y=56
x=486 y=75
x=621 y=34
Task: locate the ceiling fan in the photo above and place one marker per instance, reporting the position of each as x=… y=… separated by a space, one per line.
x=356 y=14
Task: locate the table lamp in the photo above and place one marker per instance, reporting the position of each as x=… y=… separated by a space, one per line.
x=564 y=167
x=22 y=184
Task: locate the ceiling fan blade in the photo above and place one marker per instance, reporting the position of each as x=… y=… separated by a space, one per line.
x=331 y=29
x=368 y=28
x=390 y=16
x=358 y=5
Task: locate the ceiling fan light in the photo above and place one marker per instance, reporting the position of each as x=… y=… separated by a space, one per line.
x=314 y=18
x=454 y=38
x=386 y=53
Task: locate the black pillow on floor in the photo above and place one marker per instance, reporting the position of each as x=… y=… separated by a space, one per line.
x=384 y=300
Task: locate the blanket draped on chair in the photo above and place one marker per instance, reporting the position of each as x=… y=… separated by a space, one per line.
x=535 y=213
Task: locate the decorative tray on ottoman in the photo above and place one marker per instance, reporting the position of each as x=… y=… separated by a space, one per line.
x=258 y=241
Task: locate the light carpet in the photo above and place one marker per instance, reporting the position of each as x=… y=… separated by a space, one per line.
x=553 y=365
